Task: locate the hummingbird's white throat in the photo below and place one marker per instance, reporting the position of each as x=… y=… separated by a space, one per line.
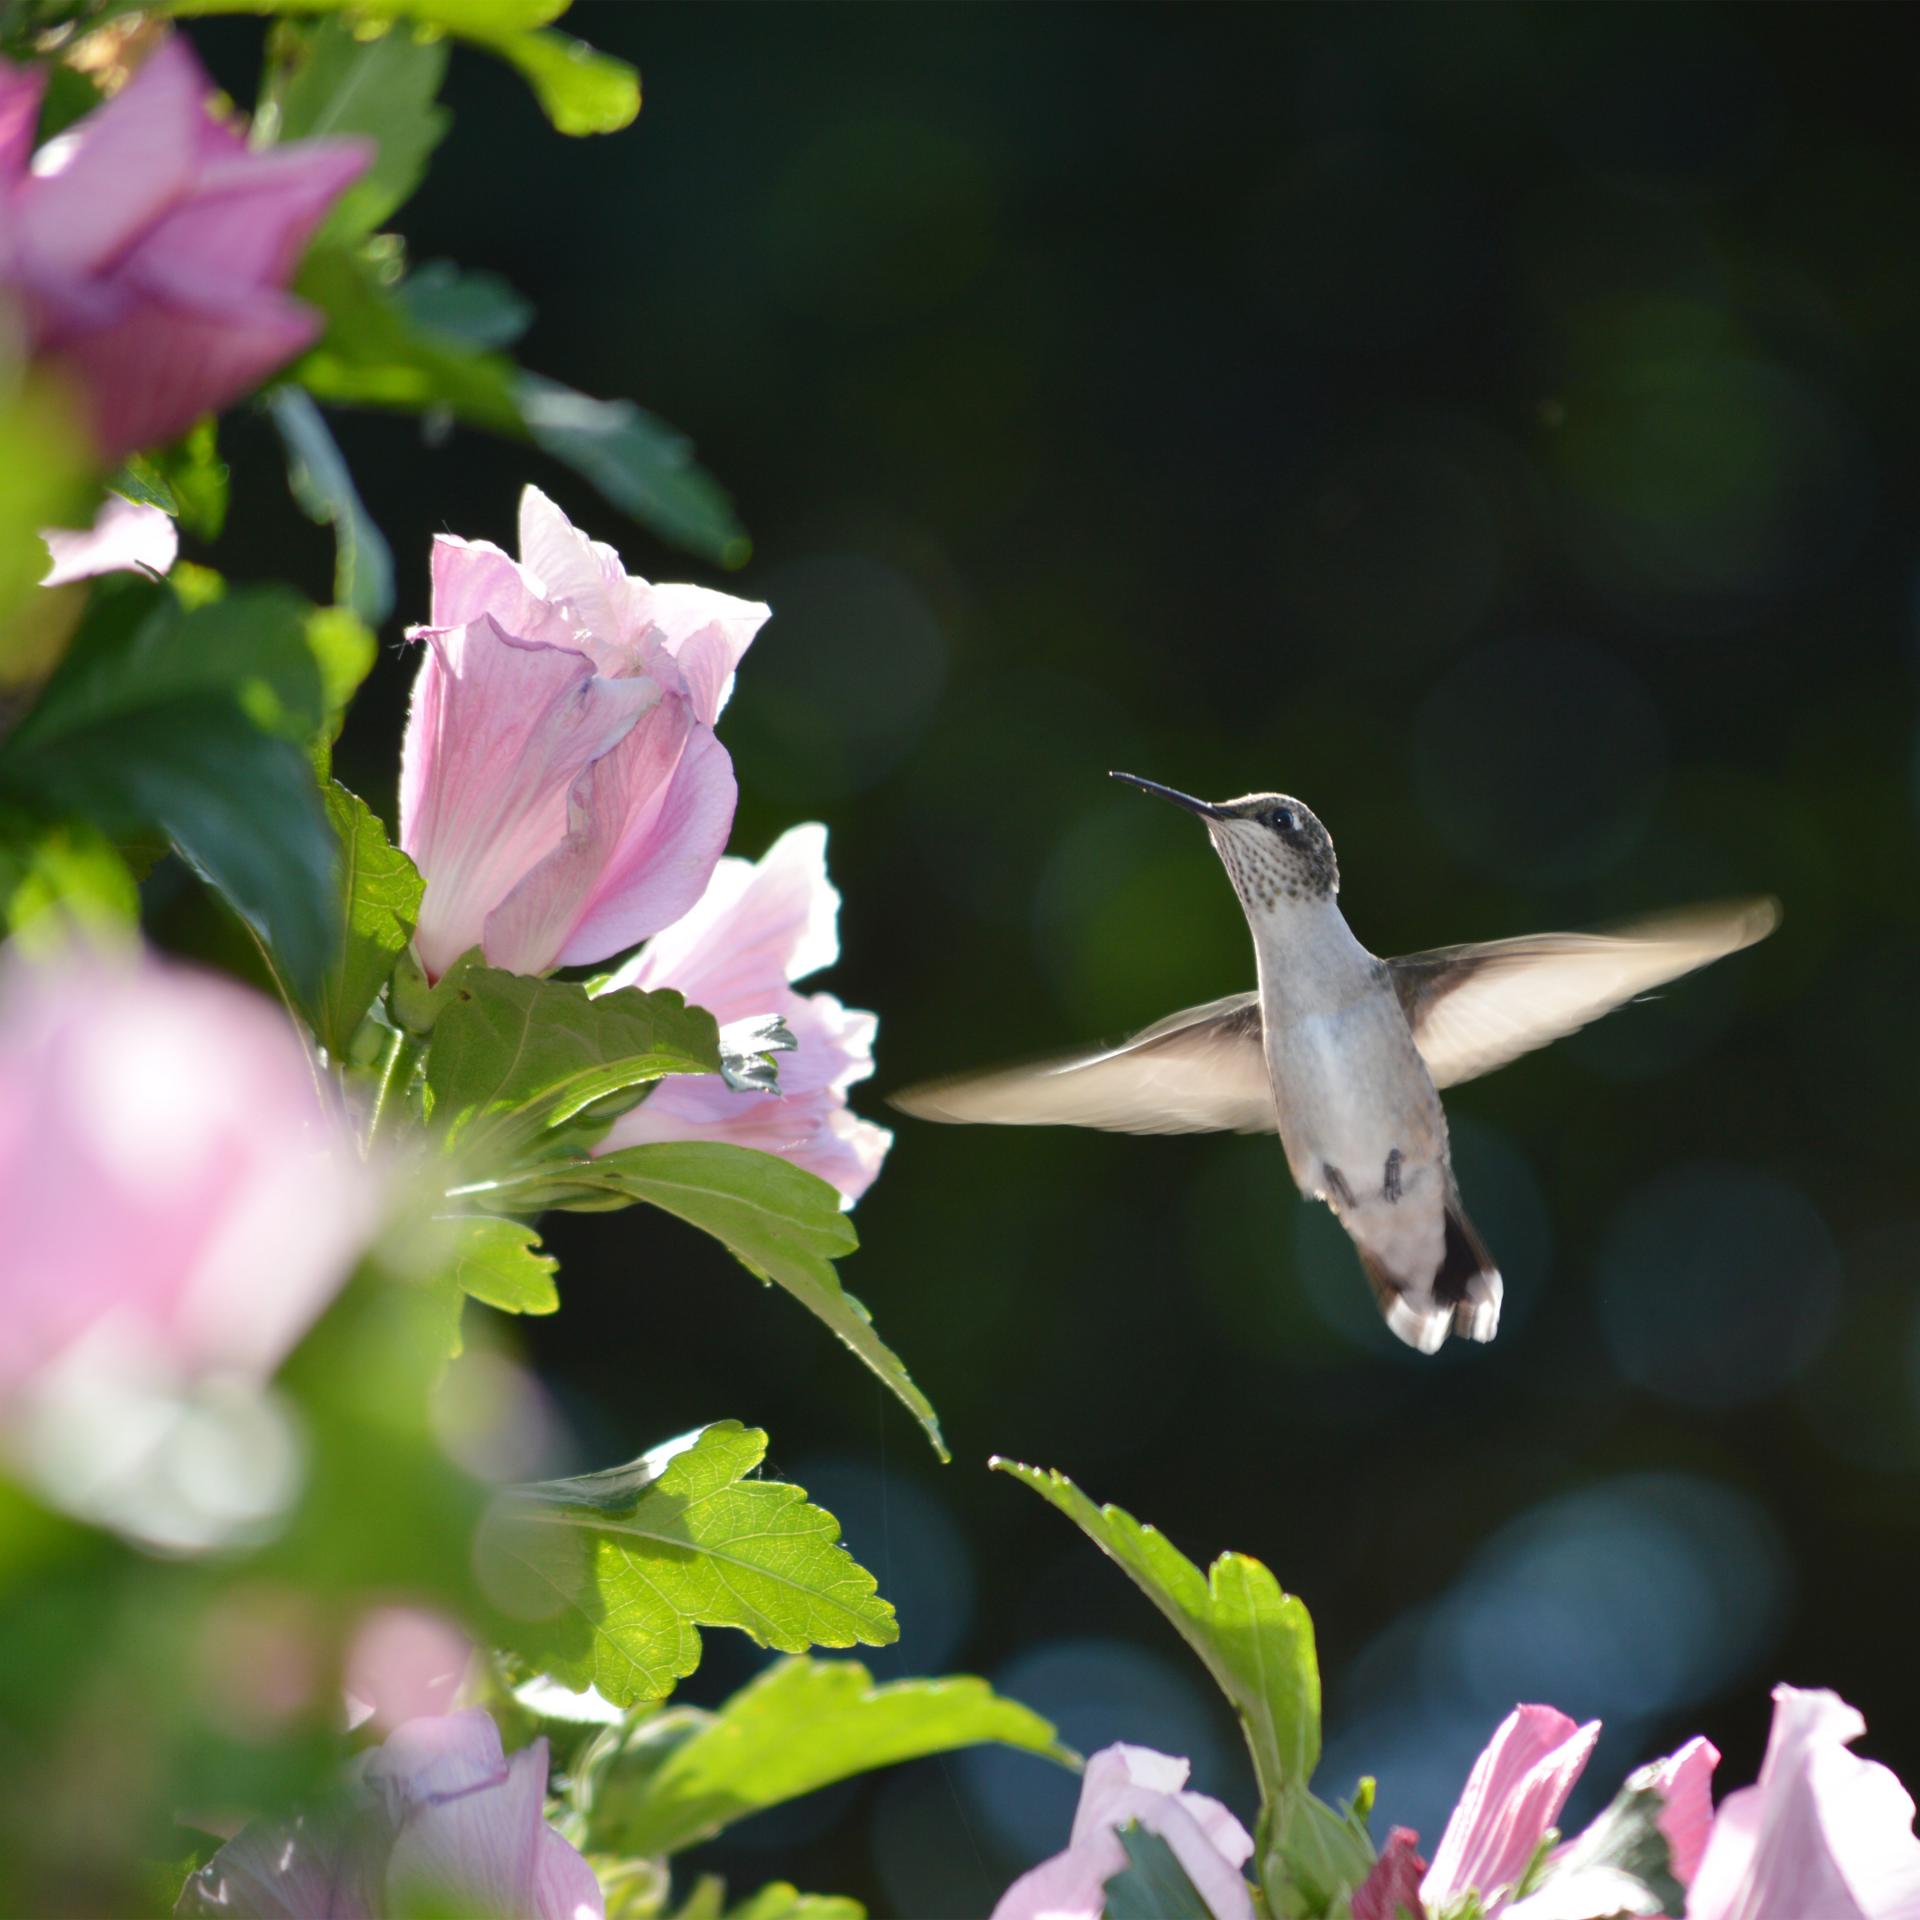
x=1270 y=872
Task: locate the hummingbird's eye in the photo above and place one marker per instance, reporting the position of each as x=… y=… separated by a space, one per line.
x=1281 y=820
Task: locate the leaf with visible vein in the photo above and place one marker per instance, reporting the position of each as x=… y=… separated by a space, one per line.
x=513 y=1059
x=1153 y=1885
x=1256 y=1641
x=499 y=1263
x=606 y=1579
x=380 y=900
x=802 y=1725
x=780 y=1222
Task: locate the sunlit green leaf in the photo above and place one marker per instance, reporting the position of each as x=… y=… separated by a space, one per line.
x=779 y=1221
x=640 y=463
x=344 y=651
x=582 y=91
x=143 y=483
x=1256 y=1641
x=44 y=482
x=58 y=879
x=373 y=354
x=499 y=1263
x=382 y=86
x=606 y=1579
x=191 y=473
x=802 y=1725
x=379 y=902
x=781 y=1900
x=513 y=1059
x=317 y=474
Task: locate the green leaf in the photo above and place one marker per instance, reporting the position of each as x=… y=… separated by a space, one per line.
x=61 y=878
x=384 y=86
x=640 y=463
x=379 y=902
x=145 y=485
x=1256 y=1641
x=479 y=309
x=138 y=649
x=780 y=1222
x=581 y=91
x=802 y=1725
x=192 y=474
x=1153 y=1885
x=344 y=651
x=317 y=474
x=188 y=722
x=605 y=1580
x=497 y=1262
x=373 y=355
x=1620 y=1866
x=513 y=1060
x=44 y=482
x=781 y=1900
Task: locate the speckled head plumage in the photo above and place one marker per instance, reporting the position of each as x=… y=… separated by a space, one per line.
x=1274 y=848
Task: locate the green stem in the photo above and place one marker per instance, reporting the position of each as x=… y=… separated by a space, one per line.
x=396 y=1075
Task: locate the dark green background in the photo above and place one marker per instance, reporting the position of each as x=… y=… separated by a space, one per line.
x=1496 y=425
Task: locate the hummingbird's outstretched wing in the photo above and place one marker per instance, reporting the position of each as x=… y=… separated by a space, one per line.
x=1198 y=1071
x=1475 y=1008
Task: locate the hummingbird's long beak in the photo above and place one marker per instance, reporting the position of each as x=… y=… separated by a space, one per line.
x=1205 y=808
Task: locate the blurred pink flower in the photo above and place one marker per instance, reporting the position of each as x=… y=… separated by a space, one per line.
x=1135 y=1784
x=148 y=249
x=756 y=929
x=561 y=790
x=126 y=537
x=403 y=1663
x=177 y=1206
x=1821 y=1835
x=439 y=1820
x=1392 y=1889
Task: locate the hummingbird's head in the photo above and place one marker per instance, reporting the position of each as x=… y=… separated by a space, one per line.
x=1273 y=846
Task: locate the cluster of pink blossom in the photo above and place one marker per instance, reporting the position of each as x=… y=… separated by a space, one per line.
x=1821 y=1835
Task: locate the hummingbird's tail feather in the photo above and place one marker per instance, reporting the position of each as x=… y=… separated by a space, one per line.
x=1462 y=1296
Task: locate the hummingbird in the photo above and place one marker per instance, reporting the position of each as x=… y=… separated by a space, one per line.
x=1344 y=1054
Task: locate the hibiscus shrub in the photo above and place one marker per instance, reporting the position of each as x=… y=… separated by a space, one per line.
x=289 y=1627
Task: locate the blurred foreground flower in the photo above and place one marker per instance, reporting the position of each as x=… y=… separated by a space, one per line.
x=125 y=537
x=439 y=1820
x=148 y=248
x=1135 y=1785
x=756 y=929
x=1822 y=1835
x=178 y=1210
x=562 y=791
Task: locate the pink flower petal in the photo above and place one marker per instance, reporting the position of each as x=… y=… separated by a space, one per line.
x=1392 y=1890
x=20 y=91
x=707 y=633
x=1514 y=1794
x=473 y=578
x=1684 y=1780
x=476 y=1849
x=775 y=919
x=149 y=375
x=307 y=1868
x=1822 y=1835
x=649 y=848
x=249 y=217
x=104 y=180
x=126 y=537
x=499 y=731
x=1134 y=1784
x=583 y=579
